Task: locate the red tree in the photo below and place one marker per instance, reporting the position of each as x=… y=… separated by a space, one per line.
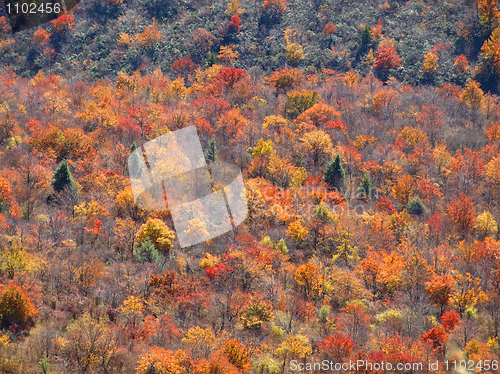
x=184 y=64
x=337 y=347
x=386 y=58
x=449 y=320
x=462 y=213
x=437 y=336
x=235 y=24
x=63 y=23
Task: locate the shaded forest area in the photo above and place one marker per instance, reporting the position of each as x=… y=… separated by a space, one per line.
x=438 y=41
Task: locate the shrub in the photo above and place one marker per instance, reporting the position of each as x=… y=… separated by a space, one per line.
x=415 y=206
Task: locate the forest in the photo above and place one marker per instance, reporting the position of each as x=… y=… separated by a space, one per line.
x=370 y=155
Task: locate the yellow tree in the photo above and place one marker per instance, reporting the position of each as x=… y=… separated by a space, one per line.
x=492 y=171
x=442 y=157
x=431 y=62
x=299 y=177
x=489 y=12
x=281 y=170
x=319 y=144
x=263 y=149
x=89 y=211
x=234 y=8
x=297 y=231
x=347 y=253
x=158 y=233
x=467 y=293
x=309 y=276
x=298 y=102
x=126 y=203
x=162 y=361
x=274 y=122
x=13 y=258
x=294 y=51
x=228 y=54
x=491 y=49
x=403 y=190
x=472 y=95
x=132 y=312
x=199 y=341
x=486 y=225
x=90 y=346
x=413 y=137
x=294 y=347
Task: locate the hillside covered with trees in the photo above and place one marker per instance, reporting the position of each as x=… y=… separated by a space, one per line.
x=368 y=137
x=437 y=41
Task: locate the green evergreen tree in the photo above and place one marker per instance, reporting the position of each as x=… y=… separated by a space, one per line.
x=365 y=187
x=147 y=252
x=334 y=174
x=415 y=206
x=366 y=36
x=211 y=60
x=211 y=154
x=62 y=177
x=133 y=147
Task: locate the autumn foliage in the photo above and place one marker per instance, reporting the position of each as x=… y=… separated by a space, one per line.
x=372 y=229
x=386 y=58
x=63 y=23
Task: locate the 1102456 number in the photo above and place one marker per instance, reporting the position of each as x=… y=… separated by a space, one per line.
x=33 y=8
x=472 y=365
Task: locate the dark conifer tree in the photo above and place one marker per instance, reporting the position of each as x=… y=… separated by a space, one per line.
x=365 y=187
x=211 y=154
x=334 y=174
x=62 y=177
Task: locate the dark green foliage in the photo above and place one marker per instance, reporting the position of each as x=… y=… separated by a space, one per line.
x=366 y=36
x=161 y=9
x=211 y=154
x=415 y=206
x=62 y=177
x=133 y=147
x=365 y=188
x=334 y=174
x=271 y=15
x=488 y=77
x=147 y=252
x=211 y=60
